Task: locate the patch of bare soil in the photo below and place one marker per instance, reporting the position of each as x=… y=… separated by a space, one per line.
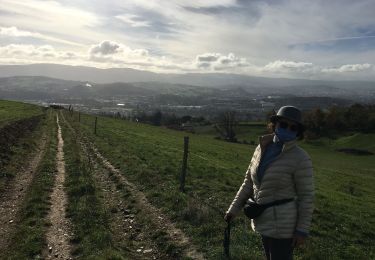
x=161 y=221
x=14 y=194
x=59 y=233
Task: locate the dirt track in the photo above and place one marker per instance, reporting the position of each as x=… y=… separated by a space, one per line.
x=129 y=233
x=125 y=226
x=160 y=220
x=59 y=232
x=12 y=197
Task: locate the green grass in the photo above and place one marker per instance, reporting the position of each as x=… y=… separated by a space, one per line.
x=11 y=111
x=92 y=237
x=343 y=223
x=244 y=132
x=28 y=239
x=17 y=123
x=358 y=141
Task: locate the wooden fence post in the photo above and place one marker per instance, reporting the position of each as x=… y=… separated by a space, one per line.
x=96 y=121
x=184 y=164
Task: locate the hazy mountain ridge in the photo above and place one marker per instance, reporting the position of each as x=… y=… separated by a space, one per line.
x=61 y=81
x=29 y=87
x=112 y=75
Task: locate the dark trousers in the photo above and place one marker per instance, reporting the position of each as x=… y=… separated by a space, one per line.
x=278 y=249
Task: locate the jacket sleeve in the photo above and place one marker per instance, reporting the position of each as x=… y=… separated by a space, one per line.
x=304 y=184
x=243 y=194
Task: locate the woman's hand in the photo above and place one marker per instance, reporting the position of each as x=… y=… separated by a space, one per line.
x=298 y=240
x=229 y=217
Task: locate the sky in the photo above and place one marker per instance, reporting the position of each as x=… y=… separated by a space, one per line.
x=313 y=39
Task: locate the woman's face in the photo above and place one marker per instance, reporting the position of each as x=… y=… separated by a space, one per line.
x=287 y=124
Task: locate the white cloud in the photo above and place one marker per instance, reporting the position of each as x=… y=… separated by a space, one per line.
x=262 y=32
x=282 y=66
x=108 y=54
x=217 y=61
x=106 y=48
x=133 y=20
x=15 y=32
x=43 y=53
x=350 y=68
x=51 y=11
x=116 y=52
x=50 y=20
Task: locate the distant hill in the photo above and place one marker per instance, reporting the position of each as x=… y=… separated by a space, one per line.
x=103 y=76
x=44 y=88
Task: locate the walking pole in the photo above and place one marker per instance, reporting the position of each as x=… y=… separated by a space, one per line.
x=226 y=242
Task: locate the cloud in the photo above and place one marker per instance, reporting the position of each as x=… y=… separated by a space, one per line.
x=282 y=66
x=350 y=68
x=325 y=36
x=218 y=61
x=51 y=11
x=295 y=69
x=15 y=32
x=116 y=52
x=55 y=21
x=133 y=20
x=107 y=54
x=33 y=54
x=106 y=48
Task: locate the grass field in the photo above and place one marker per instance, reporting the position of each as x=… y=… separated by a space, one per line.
x=11 y=111
x=244 y=132
x=343 y=223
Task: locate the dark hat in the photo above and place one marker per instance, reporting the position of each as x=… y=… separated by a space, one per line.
x=289 y=112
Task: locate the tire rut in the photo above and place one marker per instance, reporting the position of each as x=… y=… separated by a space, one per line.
x=161 y=221
x=14 y=195
x=59 y=233
x=129 y=233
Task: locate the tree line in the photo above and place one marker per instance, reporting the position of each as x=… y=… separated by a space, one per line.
x=339 y=120
x=330 y=122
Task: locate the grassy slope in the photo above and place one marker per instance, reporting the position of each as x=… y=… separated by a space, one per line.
x=358 y=140
x=245 y=132
x=11 y=111
x=343 y=225
x=29 y=240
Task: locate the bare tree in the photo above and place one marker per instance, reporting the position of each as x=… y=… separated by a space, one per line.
x=227 y=126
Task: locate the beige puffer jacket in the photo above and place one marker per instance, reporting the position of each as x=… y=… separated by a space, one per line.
x=289 y=176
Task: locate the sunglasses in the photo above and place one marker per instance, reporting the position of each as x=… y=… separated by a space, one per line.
x=285 y=125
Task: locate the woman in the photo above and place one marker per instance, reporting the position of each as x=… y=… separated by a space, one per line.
x=279 y=169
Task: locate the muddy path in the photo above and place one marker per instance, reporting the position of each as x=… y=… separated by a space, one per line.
x=160 y=221
x=14 y=194
x=59 y=233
